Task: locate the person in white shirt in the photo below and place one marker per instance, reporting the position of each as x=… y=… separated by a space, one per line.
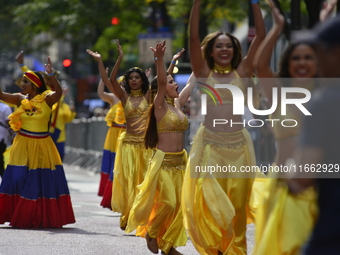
x=5 y=139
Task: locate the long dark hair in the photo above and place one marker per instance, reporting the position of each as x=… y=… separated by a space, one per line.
x=151 y=134
x=208 y=43
x=145 y=81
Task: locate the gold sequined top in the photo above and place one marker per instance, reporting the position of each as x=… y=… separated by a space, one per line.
x=171 y=123
x=130 y=110
x=225 y=94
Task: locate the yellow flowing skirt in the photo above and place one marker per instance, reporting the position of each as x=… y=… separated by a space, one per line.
x=214 y=209
x=157 y=207
x=284 y=221
x=131 y=163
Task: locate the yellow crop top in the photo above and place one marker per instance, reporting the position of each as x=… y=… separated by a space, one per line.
x=131 y=112
x=225 y=94
x=282 y=132
x=32 y=115
x=171 y=123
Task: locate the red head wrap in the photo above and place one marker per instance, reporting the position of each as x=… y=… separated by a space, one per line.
x=32 y=77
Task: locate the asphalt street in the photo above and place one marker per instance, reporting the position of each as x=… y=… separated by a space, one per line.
x=96 y=230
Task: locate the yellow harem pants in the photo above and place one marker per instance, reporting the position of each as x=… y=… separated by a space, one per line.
x=214 y=204
x=157 y=206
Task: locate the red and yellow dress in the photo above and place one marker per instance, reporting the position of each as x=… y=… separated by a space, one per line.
x=115 y=119
x=34 y=191
x=157 y=207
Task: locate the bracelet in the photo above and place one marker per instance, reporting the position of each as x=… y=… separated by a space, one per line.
x=22 y=64
x=173 y=62
x=254 y=1
x=155 y=58
x=51 y=74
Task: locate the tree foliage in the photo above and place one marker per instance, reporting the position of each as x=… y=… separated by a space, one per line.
x=87 y=23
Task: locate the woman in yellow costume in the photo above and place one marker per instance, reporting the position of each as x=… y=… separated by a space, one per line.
x=132 y=157
x=116 y=122
x=157 y=207
x=283 y=220
x=214 y=206
x=34 y=190
x=61 y=115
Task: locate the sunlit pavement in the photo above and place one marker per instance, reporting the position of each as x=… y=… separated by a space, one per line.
x=96 y=230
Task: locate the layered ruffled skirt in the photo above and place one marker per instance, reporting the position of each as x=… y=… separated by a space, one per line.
x=214 y=201
x=157 y=207
x=130 y=167
x=107 y=168
x=34 y=191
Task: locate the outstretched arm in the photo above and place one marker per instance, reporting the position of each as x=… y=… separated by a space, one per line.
x=264 y=53
x=57 y=93
x=114 y=87
x=186 y=91
x=114 y=71
x=159 y=101
x=173 y=61
x=20 y=59
x=106 y=97
x=198 y=65
x=14 y=99
x=247 y=64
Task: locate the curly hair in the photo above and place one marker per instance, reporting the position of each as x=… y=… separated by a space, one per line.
x=145 y=81
x=209 y=41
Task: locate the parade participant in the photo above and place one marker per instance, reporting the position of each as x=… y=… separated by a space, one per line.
x=157 y=207
x=5 y=140
x=61 y=115
x=34 y=191
x=131 y=158
x=214 y=209
x=116 y=122
x=319 y=142
x=284 y=221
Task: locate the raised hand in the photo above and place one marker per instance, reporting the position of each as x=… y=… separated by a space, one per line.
x=20 y=57
x=327 y=9
x=158 y=52
x=277 y=16
x=96 y=55
x=178 y=55
x=120 y=51
x=48 y=66
x=162 y=45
